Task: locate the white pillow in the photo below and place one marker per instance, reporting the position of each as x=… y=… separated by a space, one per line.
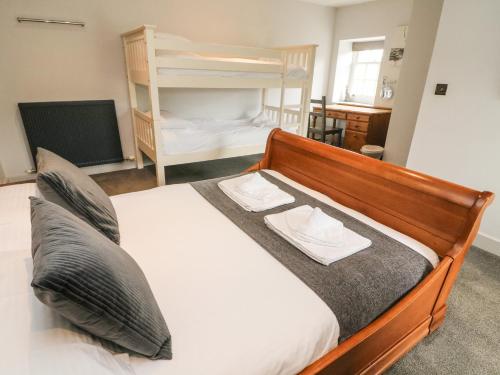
x=296 y=72
x=170 y=121
x=261 y=120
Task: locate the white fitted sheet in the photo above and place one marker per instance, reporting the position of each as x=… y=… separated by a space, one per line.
x=231 y=307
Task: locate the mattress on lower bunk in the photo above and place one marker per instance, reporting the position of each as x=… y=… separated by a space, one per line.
x=207 y=135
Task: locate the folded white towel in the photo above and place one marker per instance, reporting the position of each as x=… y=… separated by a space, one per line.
x=255 y=193
x=255 y=186
x=318 y=228
x=283 y=222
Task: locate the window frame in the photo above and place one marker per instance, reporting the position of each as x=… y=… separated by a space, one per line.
x=356 y=98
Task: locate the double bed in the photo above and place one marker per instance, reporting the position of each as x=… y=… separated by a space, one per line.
x=230 y=305
x=229 y=308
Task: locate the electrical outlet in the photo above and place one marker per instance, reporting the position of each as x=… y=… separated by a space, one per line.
x=441 y=89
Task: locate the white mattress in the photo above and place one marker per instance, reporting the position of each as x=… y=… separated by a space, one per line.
x=294 y=71
x=206 y=135
x=297 y=73
x=230 y=306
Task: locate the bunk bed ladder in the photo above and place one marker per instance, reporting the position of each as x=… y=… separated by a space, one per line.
x=149 y=34
x=133 y=104
x=307 y=91
x=283 y=88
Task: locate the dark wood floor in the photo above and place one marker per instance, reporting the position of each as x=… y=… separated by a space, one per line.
x=126 y=181
x=130 y=180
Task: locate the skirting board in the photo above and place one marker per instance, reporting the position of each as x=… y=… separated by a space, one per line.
x=488 y=243
x=104 y=168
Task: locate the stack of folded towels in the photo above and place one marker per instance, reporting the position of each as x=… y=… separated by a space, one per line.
x=254 y=193
x=316 y=234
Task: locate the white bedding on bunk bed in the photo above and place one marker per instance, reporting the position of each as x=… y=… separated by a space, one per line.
x=293 y=71
x=182 y=136
x=230 y=306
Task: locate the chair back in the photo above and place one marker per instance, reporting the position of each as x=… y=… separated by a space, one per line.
x=321 y=114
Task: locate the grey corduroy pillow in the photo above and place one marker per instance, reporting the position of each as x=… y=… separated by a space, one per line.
x=93 y=283
x=65 y=184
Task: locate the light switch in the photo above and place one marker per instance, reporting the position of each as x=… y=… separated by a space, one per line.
x=441 y=89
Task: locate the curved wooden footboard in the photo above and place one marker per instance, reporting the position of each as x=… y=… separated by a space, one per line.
x=440 y=214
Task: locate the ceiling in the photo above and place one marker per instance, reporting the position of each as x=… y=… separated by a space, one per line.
x=337 y=3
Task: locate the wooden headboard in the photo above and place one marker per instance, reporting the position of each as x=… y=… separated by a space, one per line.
x=437 y=213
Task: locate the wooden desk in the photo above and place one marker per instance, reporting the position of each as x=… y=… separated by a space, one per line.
x=365 y=125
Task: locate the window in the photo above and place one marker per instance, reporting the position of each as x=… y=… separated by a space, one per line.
x=363 y=77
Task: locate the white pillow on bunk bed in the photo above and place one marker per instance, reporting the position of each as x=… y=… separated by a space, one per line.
x=262 y=120
x=296 y=72
x=170 y=121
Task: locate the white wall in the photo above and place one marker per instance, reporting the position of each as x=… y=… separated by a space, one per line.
x=457 y=136
x=373 y=19
x=389 y=70
x=2 y=175
x=52 y=62
x=419 y=46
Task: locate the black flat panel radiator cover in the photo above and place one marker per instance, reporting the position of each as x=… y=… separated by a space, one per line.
x=83 y=132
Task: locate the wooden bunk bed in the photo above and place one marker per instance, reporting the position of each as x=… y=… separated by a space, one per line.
x=156 y=60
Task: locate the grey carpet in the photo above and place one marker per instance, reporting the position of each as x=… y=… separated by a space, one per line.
x=469 y=340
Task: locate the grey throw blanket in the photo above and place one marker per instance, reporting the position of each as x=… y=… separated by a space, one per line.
x=357 y=288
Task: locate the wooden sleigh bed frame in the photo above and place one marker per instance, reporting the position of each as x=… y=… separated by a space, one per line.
x=440 y=214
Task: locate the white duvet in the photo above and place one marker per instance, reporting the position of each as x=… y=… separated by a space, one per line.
x=223 y=134
x=206 y=135
x=230 y=306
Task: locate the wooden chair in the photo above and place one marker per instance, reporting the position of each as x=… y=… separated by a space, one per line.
x=322 y=131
